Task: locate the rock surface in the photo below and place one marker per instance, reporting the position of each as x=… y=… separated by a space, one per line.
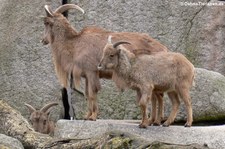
x=7 y=142
x=208 y=97
x=14 y=125
x=213 y=137
x=184 y=26
x=26 y=69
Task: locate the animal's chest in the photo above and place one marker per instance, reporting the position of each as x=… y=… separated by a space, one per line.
x=134 y=82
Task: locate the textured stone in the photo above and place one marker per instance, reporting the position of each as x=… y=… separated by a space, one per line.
x=213 y=137
x=120 y=140
x=7 y=142
x=27 y=73
x=208 y=100
x=26 y=69
x=208 y=97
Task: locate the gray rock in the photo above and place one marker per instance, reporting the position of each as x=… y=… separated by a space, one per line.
x=208 y=97
x=180 y=25
x=208 y=100
x=27 y=73
x=213 y=137
x=7 y=142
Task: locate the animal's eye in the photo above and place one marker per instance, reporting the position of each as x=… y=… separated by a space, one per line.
x=111 y=55
x=46 y=23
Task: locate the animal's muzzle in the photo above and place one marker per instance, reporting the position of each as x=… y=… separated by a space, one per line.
x=44 y=42
x=100 y=66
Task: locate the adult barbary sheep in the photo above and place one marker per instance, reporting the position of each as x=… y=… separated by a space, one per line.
x=162 y=72
x=40 y=118
x=79 y=53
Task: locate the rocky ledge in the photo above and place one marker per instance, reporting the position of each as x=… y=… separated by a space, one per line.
x=203 y=137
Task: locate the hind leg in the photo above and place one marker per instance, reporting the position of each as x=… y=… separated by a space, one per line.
x=66 y=96
x=185 y=95
x=89 y=103
x=160 y=110
x=175 y=105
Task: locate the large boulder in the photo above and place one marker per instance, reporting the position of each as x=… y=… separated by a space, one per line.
x=208 y=97
x=208 y=137
x=207 y=94
x=107 y=135
x=195 y=28
x=7 y=142
x=27 y=73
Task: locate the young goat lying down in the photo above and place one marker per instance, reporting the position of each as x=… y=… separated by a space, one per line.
x=162 y=72
x=40 y=118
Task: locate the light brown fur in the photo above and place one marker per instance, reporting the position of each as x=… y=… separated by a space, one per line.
x=40 y=118
x=162 y=72
x=80 y=52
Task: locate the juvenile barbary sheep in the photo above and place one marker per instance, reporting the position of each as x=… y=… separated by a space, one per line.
x=79 y=53
x=40 y=118
x=162 y=72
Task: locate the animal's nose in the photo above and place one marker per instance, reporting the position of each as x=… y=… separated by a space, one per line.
x=44 y=42
x=99 y=66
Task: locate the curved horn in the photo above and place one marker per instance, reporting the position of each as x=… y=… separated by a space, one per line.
x=48 y=11
x=119 y=43
x=31 y=108
x=110 y=39
x=46 y=107
x=66 y=7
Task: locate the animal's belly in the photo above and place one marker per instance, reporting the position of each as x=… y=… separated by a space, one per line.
x=105 y=74
x=163 y=88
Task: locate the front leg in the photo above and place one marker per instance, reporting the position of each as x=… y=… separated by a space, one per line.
x=143 y=104
x=92 y=88
x=152 y=118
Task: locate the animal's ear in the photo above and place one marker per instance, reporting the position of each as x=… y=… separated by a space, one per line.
x=118 y=51
x=31 y=108
x=48 y=112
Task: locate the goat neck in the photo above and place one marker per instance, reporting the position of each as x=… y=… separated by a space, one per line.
x=126 y=60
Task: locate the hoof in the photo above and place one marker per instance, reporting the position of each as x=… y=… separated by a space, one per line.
x=187 y=125
x=92 y=119
x=150 y=122
x=156 y=124
x=165 y=125
x=87 y=117
x=142 y=126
